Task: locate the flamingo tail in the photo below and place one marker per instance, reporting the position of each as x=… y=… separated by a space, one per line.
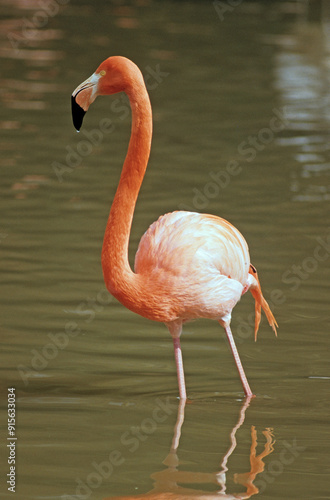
x=260 y=302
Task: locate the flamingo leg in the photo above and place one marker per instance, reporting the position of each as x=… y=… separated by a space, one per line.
x=240 y=369
x=179 y=368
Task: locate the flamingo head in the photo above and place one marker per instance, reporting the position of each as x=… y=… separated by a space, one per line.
x=115 y=74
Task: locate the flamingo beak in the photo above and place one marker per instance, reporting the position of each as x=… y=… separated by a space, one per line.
x=82 y=97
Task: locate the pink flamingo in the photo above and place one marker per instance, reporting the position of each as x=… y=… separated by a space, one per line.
x=187 y=265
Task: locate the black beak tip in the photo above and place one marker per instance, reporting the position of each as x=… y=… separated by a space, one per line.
x=77 y=114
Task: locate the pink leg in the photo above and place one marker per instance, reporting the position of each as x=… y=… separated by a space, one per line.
x=179 y=368
x=240 y=369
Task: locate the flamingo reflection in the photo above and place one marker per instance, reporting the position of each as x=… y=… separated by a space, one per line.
x=168 y=482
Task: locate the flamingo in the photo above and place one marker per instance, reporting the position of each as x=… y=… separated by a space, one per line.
x=187 y=265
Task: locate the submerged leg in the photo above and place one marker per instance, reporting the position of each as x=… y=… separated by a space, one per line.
x=172 y=460
x=240 y=369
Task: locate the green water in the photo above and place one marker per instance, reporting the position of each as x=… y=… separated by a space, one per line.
x=241 y=130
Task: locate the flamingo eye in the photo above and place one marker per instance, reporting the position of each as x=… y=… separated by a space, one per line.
x=102 y=72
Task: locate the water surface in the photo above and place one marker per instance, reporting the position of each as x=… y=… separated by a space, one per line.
x=96 y=384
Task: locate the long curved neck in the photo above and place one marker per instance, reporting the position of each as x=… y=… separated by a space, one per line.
x=119 y=278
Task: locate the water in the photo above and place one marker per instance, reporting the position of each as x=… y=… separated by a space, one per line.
x=241 y=119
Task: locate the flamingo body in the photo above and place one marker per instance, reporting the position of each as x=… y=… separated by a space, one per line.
x=196 y=264
x=187 y=265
